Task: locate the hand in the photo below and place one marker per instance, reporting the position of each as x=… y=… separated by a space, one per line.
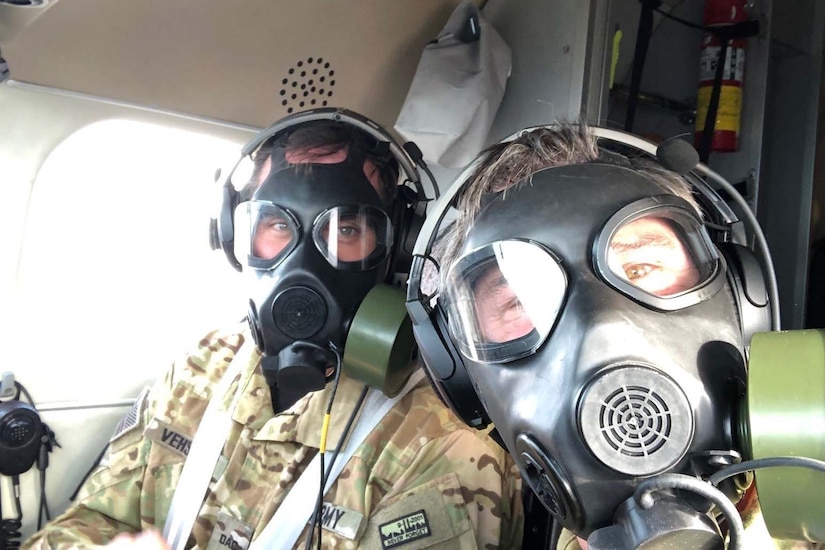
x=145 y=540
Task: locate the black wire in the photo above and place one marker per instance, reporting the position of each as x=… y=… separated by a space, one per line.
x=772 y=462
x=44 y=503
x=346 y=431
x=43 y=508
x=319 y=505
x=22 y=388
x=316 y=516
x=10 y=534
x=426 y=169
x=88 y=473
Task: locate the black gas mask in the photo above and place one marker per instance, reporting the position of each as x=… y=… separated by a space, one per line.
x=322 y=252
x=608 y=326
x=592 y=319
x=318 y=242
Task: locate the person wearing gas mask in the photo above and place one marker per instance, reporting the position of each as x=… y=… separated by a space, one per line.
x=267 y=436
x=586 y=305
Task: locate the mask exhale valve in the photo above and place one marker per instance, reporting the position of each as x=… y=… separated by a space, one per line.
x=299 y=369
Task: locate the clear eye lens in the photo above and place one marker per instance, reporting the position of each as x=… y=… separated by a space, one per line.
x=356 y=237
x=503 y=300
x=264 y=233
x=657 y=255
x=657 y=252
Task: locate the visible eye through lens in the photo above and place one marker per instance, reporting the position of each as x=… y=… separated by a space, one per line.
x=651 y=255
x=272 y=235
x=503 y=299
x=353 y=237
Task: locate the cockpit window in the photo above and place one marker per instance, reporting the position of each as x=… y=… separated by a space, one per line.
x=114 y=260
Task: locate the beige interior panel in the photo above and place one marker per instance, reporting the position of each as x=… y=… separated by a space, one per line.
x=232 y=60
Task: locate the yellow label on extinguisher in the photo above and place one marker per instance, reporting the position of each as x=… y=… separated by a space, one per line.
x=728 y=115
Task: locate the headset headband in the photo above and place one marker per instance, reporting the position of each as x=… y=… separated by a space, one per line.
x=406 y=163
x=409 y=210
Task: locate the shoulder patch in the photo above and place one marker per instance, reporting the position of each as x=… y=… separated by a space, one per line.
x=132 y=418
x=432 y=515
x=404 y=529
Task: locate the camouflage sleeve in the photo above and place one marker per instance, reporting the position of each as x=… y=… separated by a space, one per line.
x=109 y=501
x=127 y=493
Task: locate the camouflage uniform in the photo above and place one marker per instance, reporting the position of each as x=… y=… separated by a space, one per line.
x=420 y=479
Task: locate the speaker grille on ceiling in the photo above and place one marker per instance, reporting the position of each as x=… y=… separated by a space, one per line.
x=308 y=84
x=636 y=420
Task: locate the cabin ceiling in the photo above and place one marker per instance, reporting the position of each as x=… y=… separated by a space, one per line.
x=238 y=61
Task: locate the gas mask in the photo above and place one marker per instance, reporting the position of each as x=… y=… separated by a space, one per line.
x=319 y=251
x=610 y=328
x=598 y=325
x=318 y=242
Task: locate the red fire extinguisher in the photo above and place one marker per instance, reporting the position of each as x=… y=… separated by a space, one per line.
x=728 y=115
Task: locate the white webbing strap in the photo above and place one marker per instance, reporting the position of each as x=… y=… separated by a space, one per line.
x=200 y=462
x=292 y=515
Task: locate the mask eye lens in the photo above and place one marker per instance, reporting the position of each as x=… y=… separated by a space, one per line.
x=264 y=233
x=349 y=238
x=652 y=254
x=353 y=237
x=273 y=233
x=500 y=313
x=503 y=299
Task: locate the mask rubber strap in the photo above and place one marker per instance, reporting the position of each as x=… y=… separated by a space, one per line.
x=200 y=462
x=294 y=513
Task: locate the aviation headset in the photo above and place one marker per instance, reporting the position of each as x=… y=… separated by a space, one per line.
x=751 y=278
x=380 y=340
x=21 y=430
x=409 y=207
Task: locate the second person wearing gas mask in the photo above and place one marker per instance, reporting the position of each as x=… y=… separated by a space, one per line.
x=592 y=311
x=314 y=232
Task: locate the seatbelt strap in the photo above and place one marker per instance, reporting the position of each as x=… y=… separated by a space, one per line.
x=295 y=511
x=200 y=462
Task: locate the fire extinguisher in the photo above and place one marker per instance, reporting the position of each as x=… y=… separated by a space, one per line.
x=729 y=113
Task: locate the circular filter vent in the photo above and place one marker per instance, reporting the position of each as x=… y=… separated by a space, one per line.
x=636 y=420
x=299 y=312
x=308 y=85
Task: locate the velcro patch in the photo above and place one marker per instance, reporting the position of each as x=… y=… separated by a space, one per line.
x=405 y=529
x=342 y=521
x=432 y=515
x=132 y=419
x=168 y=436
x=229 y=533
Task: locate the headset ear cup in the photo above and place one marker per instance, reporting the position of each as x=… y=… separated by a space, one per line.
x=446 y=371
x=406 y=241
x=20 y=432
x=747 y=281
x=224 y=230
x=407 y=222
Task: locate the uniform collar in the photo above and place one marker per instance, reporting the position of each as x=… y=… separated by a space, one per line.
x=302 y=422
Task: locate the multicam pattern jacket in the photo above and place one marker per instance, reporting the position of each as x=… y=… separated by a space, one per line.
x=421 y=479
